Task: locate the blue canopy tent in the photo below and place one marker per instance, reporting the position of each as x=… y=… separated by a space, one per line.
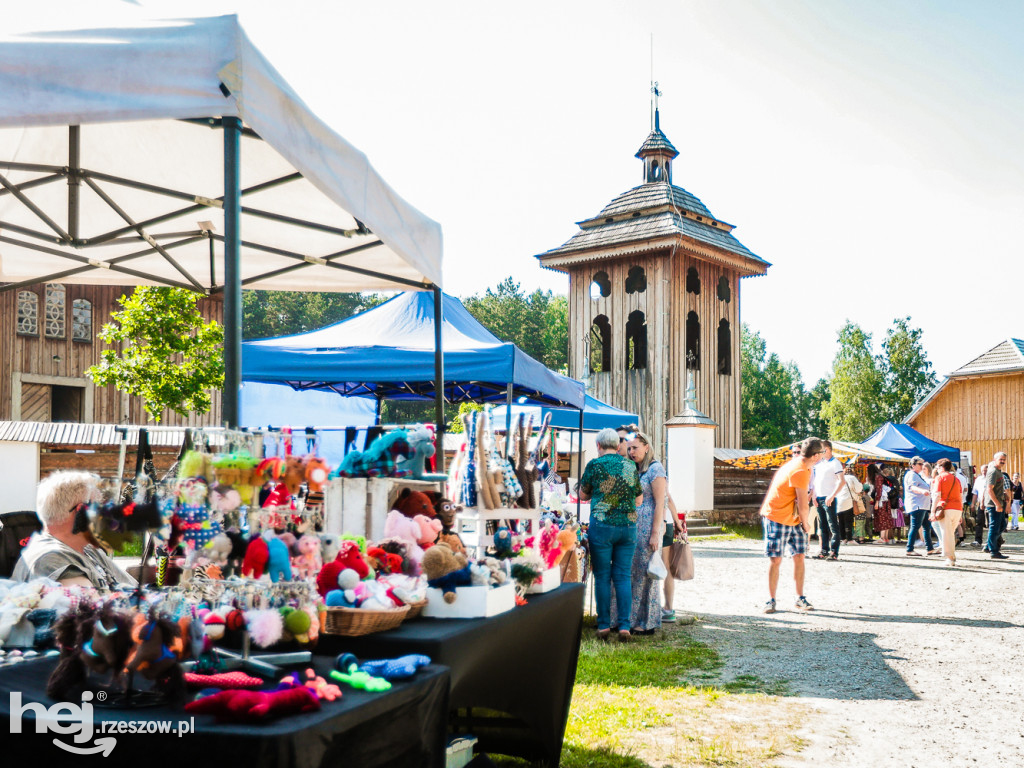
x=597 y=415
x=388 y=353
x=906 y=441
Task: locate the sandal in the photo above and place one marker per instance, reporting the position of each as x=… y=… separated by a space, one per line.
x=819 y=557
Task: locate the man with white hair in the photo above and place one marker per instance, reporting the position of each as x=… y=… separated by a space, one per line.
x=997 y=504
x=59 y=552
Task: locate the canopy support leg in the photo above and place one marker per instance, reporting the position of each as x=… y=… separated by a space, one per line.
x=579 y=466
x=508 y=422
x=438 y=379
x=232 y=273
x=74 y=182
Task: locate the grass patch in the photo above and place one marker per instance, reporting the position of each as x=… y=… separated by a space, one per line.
x=657 y=701
x=755 y=532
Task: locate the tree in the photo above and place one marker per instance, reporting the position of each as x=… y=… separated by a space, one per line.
x=767 y=394
x=538 y=323
x=169 y=355
x=907 y=371
x=853 y=410
x=810 y=419
x=266 y=314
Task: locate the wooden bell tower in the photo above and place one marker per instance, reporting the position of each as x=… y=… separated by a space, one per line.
x=654 y=292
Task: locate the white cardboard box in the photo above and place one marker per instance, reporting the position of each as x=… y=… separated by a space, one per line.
x=548 y=580
x=472 y=602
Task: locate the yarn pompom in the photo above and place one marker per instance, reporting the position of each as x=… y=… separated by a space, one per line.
x=265 y=627
x=297 y=622
x=235 y=620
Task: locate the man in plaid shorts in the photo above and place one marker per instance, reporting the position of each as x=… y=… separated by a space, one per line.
x=786 y=516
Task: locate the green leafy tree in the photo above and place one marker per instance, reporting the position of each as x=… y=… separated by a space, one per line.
x=854 y=408
x=537 y=323
x=767 y=395
x=455 y=425
x=266 y=314
x=809 y=418
x=907 y=371
x=169 y=355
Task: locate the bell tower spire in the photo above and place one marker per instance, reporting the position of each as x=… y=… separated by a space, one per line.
x=657 y=152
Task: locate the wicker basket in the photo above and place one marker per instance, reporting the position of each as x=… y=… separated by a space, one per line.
x=353 y=622
x=415 y=609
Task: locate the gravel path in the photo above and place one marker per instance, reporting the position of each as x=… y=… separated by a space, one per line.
x=905 y=662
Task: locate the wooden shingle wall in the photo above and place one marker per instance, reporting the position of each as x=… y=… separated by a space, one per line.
x=983 y=414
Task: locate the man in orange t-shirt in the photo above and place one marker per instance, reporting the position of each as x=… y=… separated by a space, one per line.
x=786 y=517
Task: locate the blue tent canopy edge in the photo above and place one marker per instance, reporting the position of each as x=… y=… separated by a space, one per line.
x=906 y=441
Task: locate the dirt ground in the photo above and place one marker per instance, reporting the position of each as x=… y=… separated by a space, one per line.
x=903 y=662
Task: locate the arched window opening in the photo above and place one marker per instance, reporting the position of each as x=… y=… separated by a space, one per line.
x=724 y=291
x=601 y=286
x=81 y=320
x=600 y=345
x=655 y=171
x=636 y=341
x=692 y=281
x=28 y=313
x=55 y=310
x=724 y=348
x=692 y=342
x=636 y=280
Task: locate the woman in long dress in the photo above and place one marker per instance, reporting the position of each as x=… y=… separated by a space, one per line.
x=880 y=485
x=650 y=524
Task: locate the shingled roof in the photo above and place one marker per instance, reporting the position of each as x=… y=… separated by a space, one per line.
x=1003 y=357
x=657 y=142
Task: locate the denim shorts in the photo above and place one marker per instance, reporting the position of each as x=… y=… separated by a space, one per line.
x=779 y=538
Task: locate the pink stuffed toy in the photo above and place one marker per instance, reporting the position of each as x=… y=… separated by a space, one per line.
x=307 y=563
x=254 y=706
x=430 y=529
x=550 y=549
x=398 y=526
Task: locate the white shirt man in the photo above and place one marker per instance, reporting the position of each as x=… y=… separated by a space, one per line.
x=827 y=480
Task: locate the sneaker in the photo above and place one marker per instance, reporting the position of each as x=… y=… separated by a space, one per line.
x=803 y=605
x=975 y=543
x=668 y=617
x=769 y=607
x=999 y=556
x=986 y=549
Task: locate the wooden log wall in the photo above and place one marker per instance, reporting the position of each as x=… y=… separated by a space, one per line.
x=64 y=361
x=983 y=415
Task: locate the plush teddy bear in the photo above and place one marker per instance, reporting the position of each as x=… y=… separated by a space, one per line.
x=398 y=526
x=446 y=570
x=429 y=531
x=411 y=503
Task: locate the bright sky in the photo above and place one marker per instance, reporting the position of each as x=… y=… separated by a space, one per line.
x=869 y=149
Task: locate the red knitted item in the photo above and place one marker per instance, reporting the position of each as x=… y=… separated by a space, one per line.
x=254 y=706
x=222 y=680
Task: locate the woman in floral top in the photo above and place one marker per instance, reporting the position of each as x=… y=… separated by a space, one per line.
x=611 y=483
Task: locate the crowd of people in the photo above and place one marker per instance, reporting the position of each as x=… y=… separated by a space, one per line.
x=935 y=505
x=632 y=520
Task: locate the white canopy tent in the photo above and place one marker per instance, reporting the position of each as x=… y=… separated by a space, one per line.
x=173 y=153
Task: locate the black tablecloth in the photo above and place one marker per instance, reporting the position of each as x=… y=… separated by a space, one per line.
x=406 y=726
x=521 y=663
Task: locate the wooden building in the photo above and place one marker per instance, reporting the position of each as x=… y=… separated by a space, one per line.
x=979 y=407
x=49 y=338
x=654 y=291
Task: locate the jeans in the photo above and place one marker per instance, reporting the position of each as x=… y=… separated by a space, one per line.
x=918 y=521
x=828 y=521
x=996 y=523
x=611 y=557
x=846 y=524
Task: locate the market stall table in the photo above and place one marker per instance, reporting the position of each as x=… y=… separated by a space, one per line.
x=521 y=664
x=405 y=726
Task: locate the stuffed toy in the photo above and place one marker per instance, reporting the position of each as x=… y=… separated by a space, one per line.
x=297 y=624
x=422 y=443
x=382 y=457
x=153 y=658
x=329 y=544
x=294 y=474
x=266 y=626
x=256 y=556
x=279 y=566
x=90 y=640
x=347 y=671
x=239 y=545
x=480 y=575
x=411 y=503
x=348 y=557
x=430 y=529
x=550 y=550
x=233 y=679
x=345 y=594
x=569 y=561
x=401 y=668
x=320 y=687
x=445 y=570
x=445 y=511
x=255 y=706
x=384 y=562
x=307 y=563
x=316 y=471
x=398 y=526
x=398 y=548
x=350 y=466
x=503 y=542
